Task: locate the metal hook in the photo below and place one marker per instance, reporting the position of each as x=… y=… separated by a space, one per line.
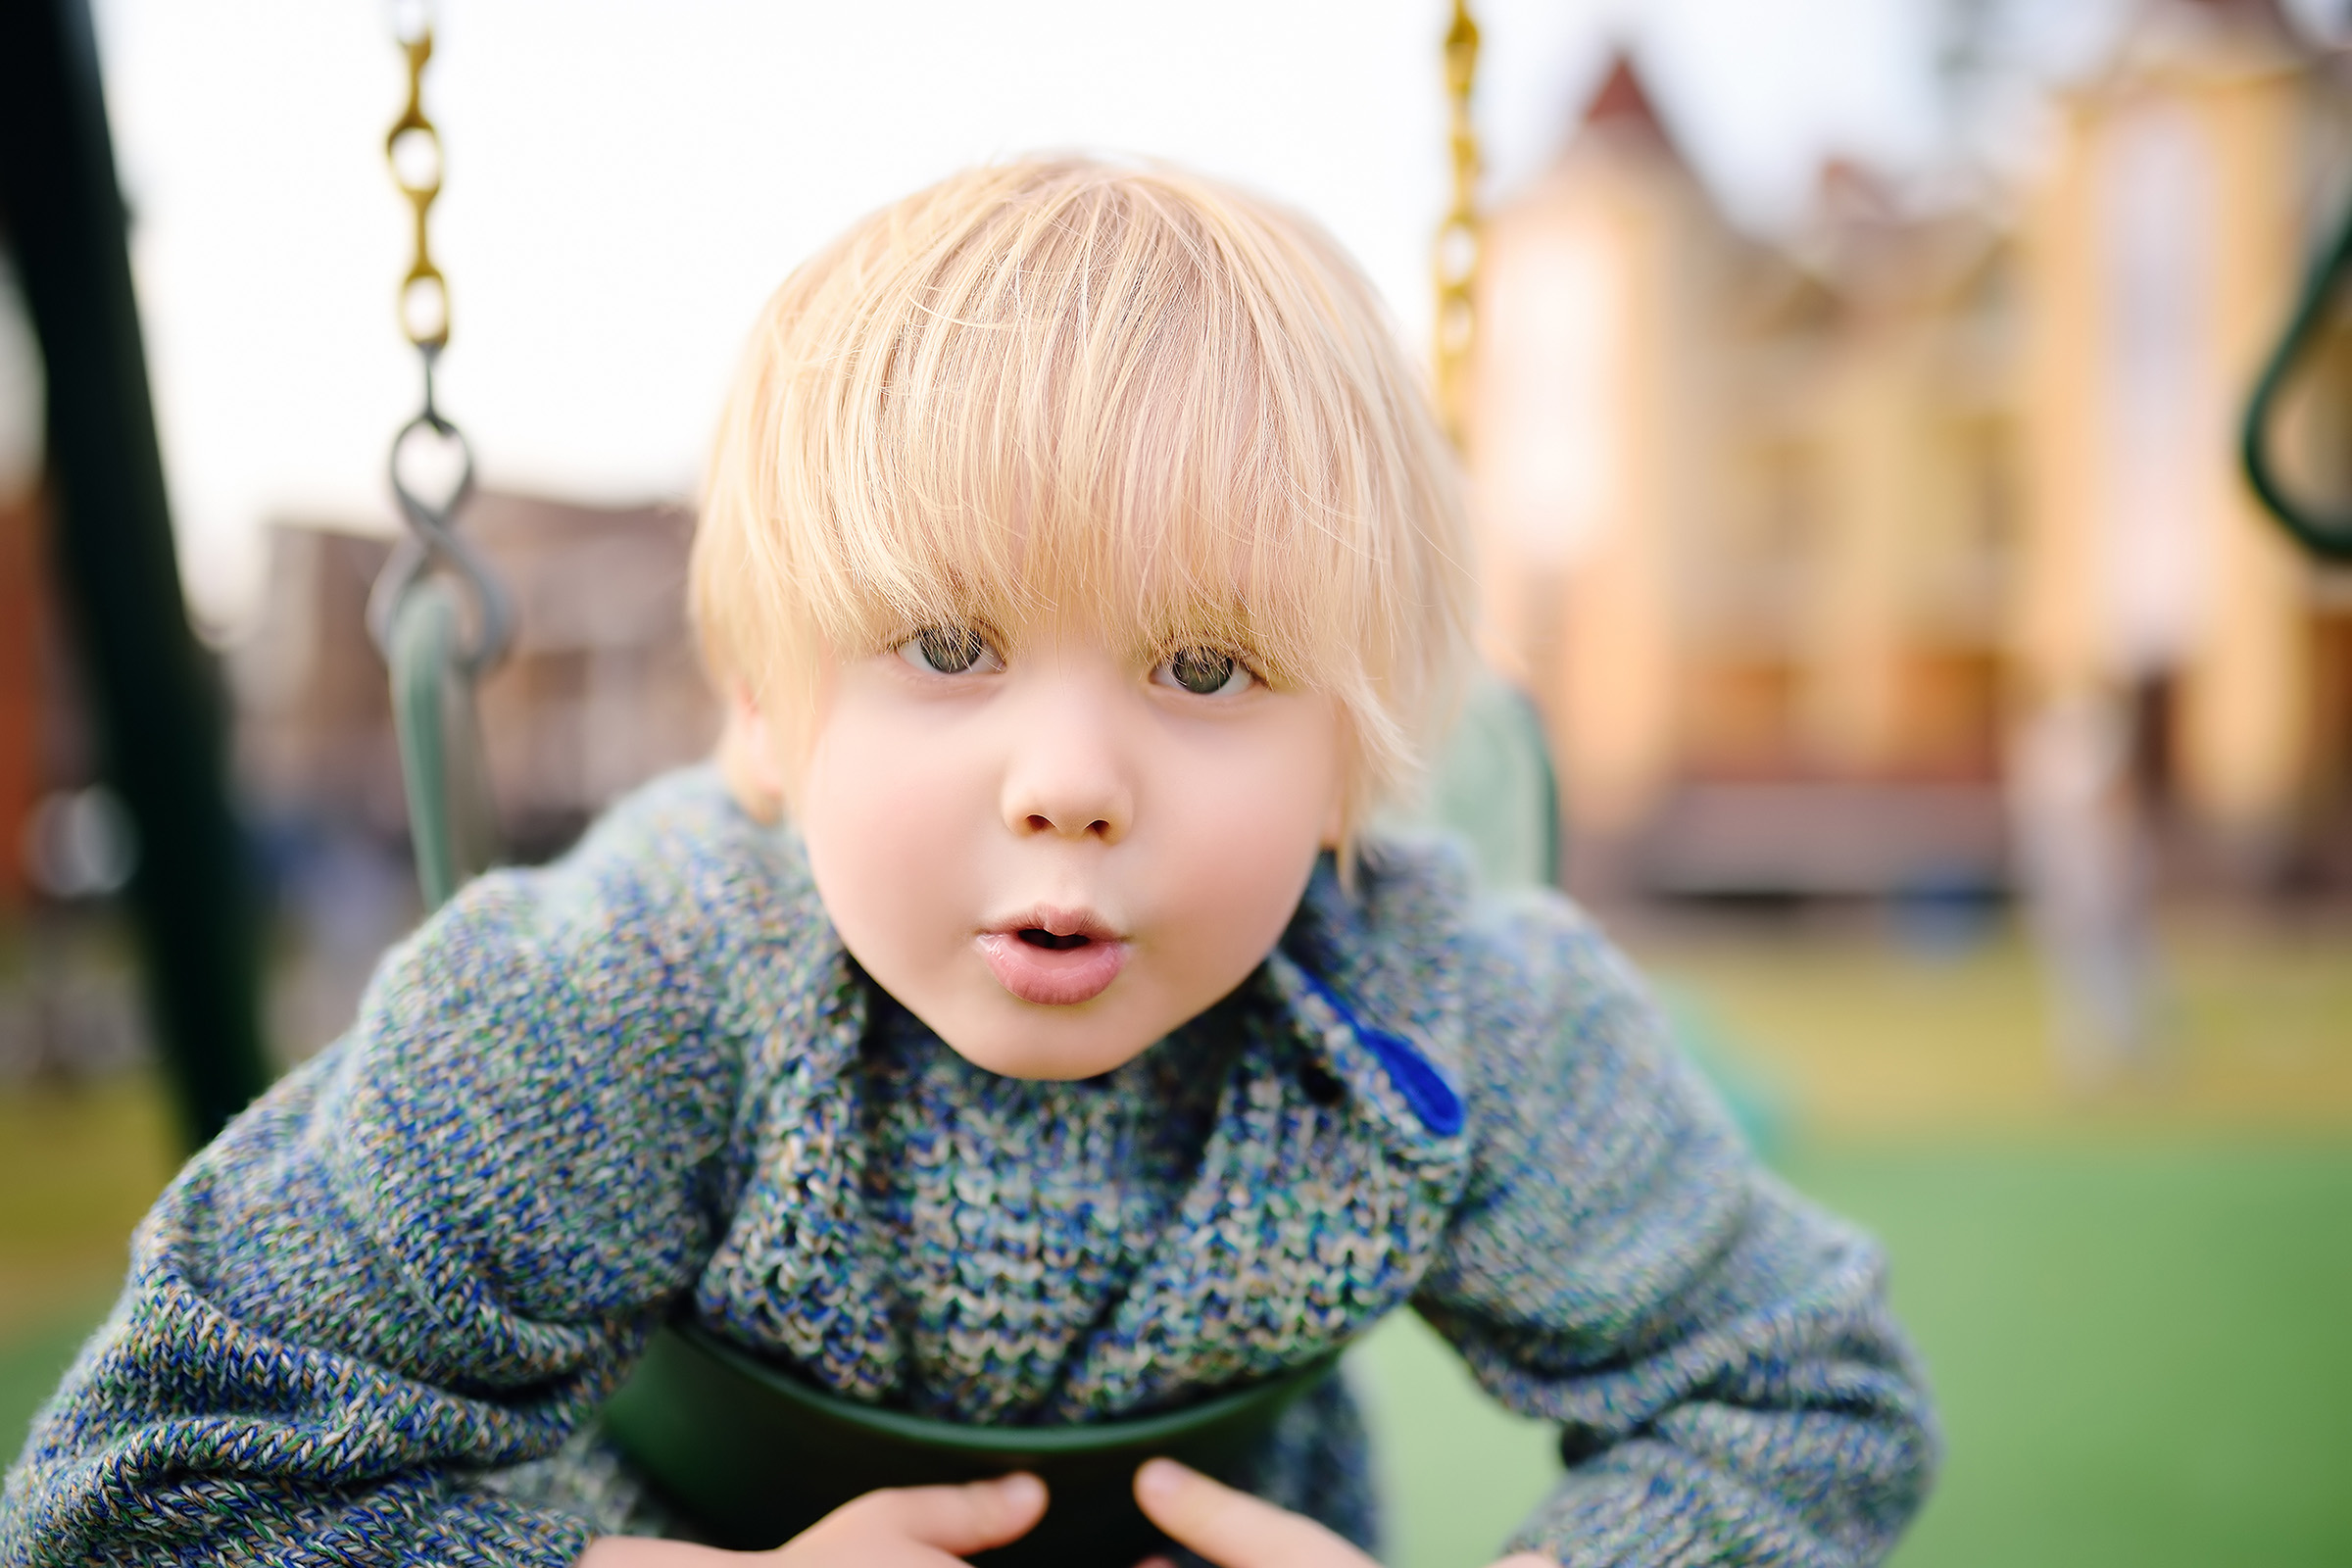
x=433 y=540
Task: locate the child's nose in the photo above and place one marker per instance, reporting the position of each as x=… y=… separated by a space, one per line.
x=1065 y=776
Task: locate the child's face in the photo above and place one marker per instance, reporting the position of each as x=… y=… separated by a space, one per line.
x=1054 y=851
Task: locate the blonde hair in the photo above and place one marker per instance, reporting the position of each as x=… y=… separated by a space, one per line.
x=1061 y=387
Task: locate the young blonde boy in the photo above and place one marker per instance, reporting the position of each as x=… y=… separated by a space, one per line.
x=1084 y=570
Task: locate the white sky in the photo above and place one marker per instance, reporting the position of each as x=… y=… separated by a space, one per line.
x=627 y=181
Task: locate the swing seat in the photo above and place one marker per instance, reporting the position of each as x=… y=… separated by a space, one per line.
x=751 y=1455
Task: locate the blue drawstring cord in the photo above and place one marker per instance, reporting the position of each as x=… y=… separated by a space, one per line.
x=1434 y=1100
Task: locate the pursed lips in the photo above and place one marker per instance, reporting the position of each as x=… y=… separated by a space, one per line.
x=1054 y=956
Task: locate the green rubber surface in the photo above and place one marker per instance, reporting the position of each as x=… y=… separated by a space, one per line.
x=2140 y=1348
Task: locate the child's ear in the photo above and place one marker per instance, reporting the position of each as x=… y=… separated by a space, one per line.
x=750 y=757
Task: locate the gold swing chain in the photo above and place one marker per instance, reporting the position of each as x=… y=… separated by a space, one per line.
x=1455 y=258
x=424 y=301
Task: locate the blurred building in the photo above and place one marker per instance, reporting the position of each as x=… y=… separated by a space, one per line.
x=2164 y=249
x=601 y=691
x=1788 y=539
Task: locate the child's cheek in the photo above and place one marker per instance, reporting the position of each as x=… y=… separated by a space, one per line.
x=890 y=806
x=1243 y=820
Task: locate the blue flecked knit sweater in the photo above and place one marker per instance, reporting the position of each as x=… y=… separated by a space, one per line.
x=373 y=1323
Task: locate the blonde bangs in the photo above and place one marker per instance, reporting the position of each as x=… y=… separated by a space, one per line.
x=1062 y=389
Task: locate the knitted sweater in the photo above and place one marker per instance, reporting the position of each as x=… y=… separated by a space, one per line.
x=648 y=1079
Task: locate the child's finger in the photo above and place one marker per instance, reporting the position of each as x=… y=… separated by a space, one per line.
x=959 y=1520
x=1233 y=1529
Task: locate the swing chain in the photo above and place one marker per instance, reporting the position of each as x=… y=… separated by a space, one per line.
x=1455 y=258
x=413 y=147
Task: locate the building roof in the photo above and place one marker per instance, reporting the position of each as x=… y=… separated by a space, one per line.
x=1623 y=110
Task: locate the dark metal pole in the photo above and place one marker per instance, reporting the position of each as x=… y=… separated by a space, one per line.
x=157 y=692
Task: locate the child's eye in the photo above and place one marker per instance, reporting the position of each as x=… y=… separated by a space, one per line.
x=949 y=651
x=1205 y=672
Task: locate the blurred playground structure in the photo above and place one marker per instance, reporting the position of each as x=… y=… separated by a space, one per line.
x=1865 y=576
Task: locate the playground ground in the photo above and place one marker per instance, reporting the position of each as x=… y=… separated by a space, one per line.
x=2132 y=1302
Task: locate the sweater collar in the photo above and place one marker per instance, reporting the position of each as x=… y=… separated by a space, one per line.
x=1359 y=978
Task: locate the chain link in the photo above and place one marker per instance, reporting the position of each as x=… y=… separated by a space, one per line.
x=433 y=539
x=423 y=302
x=1456 y=257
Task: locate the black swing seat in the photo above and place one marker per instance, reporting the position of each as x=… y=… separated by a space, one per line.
x=750 y=1455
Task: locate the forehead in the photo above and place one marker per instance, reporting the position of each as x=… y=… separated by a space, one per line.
x=1136 y=440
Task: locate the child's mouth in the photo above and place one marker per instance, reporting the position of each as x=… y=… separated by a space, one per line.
x=1055 y=969
x=1038 y=937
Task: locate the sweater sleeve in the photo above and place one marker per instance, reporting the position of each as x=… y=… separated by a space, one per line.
x=427 y=1255
x=1728 y=1384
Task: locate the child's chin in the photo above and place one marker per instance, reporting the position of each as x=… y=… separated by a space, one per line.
x=1032 y=1053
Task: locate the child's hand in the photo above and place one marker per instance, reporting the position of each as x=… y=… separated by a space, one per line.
x=1235 y=1530
x=913 y=1527
x=918 y=1527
